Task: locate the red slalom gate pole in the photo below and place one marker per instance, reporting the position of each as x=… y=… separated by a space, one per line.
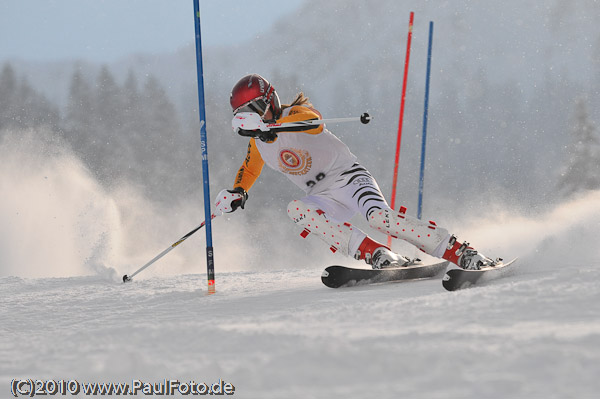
x=401 y=119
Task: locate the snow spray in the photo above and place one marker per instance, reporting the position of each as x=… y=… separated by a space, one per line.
x=57 y=220
x=567 y=231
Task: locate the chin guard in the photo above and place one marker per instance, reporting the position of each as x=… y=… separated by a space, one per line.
x=248 y=121
x=250 y=124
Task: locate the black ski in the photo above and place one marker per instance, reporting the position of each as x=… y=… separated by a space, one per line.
x=457 y=279
x=342 y=276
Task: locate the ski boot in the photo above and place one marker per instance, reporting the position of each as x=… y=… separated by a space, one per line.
x=466 y=257
x=379 y=256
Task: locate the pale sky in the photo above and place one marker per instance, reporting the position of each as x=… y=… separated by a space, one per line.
x=104 y=30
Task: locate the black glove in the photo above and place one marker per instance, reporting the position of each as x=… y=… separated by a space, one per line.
x=239 y=203
x=227 y=203
x=258 y=134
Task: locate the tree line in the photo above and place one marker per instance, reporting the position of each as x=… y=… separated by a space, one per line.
x=132 y=131
x=129 y=131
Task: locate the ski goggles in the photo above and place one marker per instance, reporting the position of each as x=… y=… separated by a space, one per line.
x=258 y=105
x=261 y=105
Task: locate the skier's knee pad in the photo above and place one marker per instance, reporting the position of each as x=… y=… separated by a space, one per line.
x=313 y=220
x=426 y=236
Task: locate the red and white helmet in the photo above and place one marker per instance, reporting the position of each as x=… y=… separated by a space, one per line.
x=253 y=93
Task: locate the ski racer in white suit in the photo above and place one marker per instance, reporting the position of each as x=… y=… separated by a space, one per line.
x=337 y=187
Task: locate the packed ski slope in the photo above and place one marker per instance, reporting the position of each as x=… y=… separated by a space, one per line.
x=282 y=334
x=277 y=332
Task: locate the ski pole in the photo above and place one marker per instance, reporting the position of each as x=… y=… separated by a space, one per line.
x=127 y=278
x=364 y=118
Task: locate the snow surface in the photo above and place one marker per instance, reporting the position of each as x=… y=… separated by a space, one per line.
x=282 y=334
x=277 y=332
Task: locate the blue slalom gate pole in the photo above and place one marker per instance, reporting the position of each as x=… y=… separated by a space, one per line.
x=425 y=116
x=210 y=263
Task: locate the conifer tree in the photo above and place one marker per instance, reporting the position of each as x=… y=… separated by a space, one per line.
x=79 y=122
x=8 y=93
x=21 y=106
x=581 y=171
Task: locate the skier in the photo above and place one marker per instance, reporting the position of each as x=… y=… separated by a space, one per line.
x=337 y=187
